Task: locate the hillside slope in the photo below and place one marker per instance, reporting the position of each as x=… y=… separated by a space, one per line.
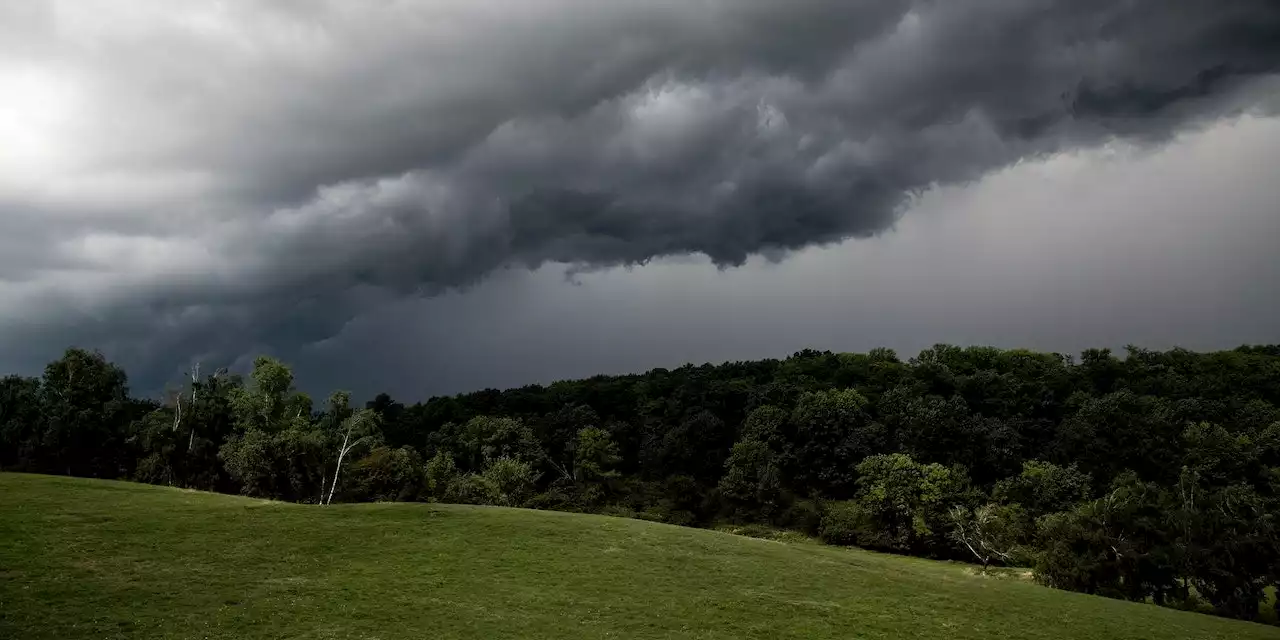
x=84 y=558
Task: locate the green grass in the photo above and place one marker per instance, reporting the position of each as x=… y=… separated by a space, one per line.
x=95 y=559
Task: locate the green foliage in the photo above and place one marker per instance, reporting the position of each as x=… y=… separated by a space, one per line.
x=484 y=439
x=441 y=474
x=1111 y=546
x=845 y=522
x=509 y=482
x=833 y=432
x=505 y=482
x=991 y=532
x=1125 y=431
x=767 y=424
x=751 y=485
x=1155 y=476
x=593 y=476
x=595 y=454
x=269 y=402
x=386 y=475
x=1044 y=487
x=904 y=503
x=82 y=396
x=284 y=465
x=21 y=421
x=804 y=516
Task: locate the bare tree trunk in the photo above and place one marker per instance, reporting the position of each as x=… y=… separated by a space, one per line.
x=177 y=415
x=341 y=453
x=563 y=469
x=195 y=379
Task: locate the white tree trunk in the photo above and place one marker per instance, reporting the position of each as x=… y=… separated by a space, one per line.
x=177 y=415
x=341 y=453
x=195 y=379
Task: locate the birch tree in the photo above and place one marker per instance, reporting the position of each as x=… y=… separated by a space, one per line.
x=356 y=430
x=990 y=532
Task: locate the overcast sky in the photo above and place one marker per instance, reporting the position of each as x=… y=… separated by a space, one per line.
x=441 y=195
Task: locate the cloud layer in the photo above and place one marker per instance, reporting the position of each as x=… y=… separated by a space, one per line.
x=188 y=180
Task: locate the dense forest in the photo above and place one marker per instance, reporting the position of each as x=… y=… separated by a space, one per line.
x=1152 y=477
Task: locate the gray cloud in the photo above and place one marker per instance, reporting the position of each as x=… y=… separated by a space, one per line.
x=200 y=181
x=1172 y=246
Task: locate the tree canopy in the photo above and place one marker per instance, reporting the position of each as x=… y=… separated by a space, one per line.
x=1150 y=476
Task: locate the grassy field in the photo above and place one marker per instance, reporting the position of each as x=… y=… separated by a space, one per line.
x=95 y=559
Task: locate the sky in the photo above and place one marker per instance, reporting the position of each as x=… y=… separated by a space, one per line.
x=437 y=196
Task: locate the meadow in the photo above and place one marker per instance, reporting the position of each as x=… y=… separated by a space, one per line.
x=101 y=559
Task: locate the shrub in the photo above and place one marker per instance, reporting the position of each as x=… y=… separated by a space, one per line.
x=472 y=488
x=619 y=511
x=154 y=469
x=557 y=498
x=441 y=476
x=385 y=475
x=802 y=515
x=509 y=481
x=843 y=523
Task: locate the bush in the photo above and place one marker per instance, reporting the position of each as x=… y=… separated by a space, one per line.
x=663 y=512
x=763 y=532
x=441 y=477
x=472 y=488
x=618 y=511
x=843 y=523
x=386 y=475
x=557 y=498
x=652 y=514
x=510 y=482
x=801 y=515
x=154 y=469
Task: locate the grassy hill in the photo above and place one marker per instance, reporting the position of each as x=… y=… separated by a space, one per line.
x=85 y=558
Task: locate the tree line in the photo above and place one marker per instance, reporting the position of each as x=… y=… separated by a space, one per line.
x=1153 y=477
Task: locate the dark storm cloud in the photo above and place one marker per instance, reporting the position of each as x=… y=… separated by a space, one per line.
x=255 y=175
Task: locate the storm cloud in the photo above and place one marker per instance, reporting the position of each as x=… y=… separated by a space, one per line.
x=184 y=180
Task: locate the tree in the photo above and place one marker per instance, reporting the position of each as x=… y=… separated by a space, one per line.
x=269 y=402
x=358 y=429
x=484 y=439
x=250 y=460
x=1223 y=515
x=558 y=431
x=832 y=432
x=1118 y=545
x=510 y=481
x=154 y=437
x=992 y=532
x=177 y=444
x=751 y=485
x=594 y=455
x=21 y=421
x=274 y=450
x=903 y=501
x=1044 y=487
x=504 y=482
x=767 y=424
x=441 y=475
x=85 y=401
x=697 y=447
x=1153 y=477
x=1122 y=431
x=386 y=474
x=396 y=429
